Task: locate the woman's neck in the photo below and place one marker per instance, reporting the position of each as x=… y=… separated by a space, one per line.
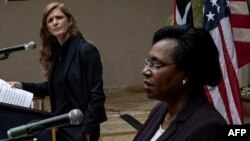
x=175 y=106
x=173 y=111
x=63 y=39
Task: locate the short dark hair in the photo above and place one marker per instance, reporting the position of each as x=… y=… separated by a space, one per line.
x=196 y=54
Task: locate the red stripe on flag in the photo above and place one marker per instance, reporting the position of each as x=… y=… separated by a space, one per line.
x=242 y=49
x=209 y=98
x=233 y=80
x=222 y=86
x=224 y=97
x=240 y=21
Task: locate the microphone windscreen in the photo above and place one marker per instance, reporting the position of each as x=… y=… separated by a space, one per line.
x=76 y=117
x=31 y=45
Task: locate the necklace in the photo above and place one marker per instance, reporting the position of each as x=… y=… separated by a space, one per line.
x=169 y=119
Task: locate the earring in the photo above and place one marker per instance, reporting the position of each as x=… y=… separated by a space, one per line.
x=184 y=81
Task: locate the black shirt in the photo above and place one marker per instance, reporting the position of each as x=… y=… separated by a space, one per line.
x=62 y=103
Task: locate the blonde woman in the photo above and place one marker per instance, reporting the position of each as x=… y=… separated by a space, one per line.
x=74 y=74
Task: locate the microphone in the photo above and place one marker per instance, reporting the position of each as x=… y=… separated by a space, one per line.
x=26 y=46
x=74 y=117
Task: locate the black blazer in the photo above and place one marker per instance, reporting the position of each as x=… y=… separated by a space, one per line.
x=198 y=121
x=82 y=82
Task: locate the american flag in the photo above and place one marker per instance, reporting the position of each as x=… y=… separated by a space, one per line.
x=240 y=20
x=226 y=96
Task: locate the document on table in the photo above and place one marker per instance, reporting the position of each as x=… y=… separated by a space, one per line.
x=14 y=96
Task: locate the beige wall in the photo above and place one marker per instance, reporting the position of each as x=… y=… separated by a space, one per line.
x=121 y=29
x=244 y=75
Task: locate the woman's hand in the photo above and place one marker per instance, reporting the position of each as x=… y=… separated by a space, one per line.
x=15 y=84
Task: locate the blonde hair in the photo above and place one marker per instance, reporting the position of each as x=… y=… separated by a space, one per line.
x=47 y=39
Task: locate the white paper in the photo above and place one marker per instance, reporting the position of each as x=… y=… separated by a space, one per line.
x=14 y=96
